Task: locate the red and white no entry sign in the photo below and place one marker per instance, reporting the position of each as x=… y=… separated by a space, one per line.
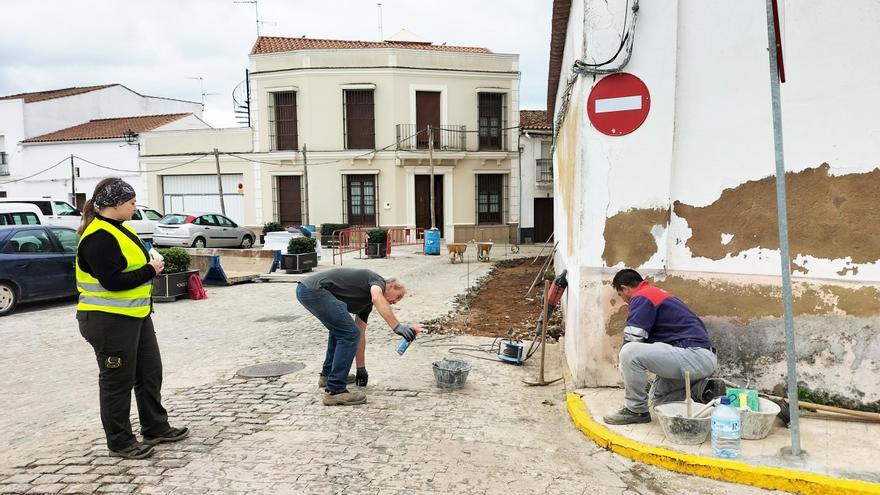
x=618 y=104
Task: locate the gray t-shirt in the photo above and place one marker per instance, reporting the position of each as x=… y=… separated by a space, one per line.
x=349 y=285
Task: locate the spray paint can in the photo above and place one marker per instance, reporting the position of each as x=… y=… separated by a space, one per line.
x=403 y=345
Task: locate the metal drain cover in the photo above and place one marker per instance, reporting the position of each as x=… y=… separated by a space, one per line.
x=268 y=370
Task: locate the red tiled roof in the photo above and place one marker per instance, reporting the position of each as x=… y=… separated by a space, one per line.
x=535 y=120
x=558 y=32
x=55 y=93
x=274 y=44
x=108 y=128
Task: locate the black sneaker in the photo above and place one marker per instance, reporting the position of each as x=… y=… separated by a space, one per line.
x=136 y=450
x=626 y=417
x=172 y=435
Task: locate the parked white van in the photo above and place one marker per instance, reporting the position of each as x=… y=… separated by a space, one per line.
x=59 y=213
x=20 y=214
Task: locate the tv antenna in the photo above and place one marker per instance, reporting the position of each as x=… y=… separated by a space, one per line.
x=256 y=13
x=380 y=22
x=202 y=88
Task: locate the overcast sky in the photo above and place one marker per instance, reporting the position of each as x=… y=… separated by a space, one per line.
x=153 y=46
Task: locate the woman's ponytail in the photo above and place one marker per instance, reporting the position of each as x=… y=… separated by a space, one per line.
x=88 y=214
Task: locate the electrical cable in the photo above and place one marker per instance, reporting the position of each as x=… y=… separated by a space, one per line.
x=371 y=152
x=623 y=38
x=36 y=174
x=139 y=171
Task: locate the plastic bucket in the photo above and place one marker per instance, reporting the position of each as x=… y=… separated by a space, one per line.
x=451 y=373
x=679 y=429
x=432 y=241
x=757 y=424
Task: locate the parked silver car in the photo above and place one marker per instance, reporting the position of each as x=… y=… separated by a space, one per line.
x=201 y=230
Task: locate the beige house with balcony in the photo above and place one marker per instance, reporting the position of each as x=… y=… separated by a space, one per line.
x=338 y=135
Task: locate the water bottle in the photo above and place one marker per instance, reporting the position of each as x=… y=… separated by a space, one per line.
x=404 y=344
x=726 y=430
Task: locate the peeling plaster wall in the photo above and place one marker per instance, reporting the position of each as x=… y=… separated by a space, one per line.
x=692 y=191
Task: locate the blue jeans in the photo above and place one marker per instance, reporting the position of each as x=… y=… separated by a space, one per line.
x=344 y=334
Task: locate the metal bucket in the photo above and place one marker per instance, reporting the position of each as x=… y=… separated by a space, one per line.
x=451 y=373
x=757 y=424
x=680 y=429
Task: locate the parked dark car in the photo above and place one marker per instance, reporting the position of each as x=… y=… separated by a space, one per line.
x=36 y=263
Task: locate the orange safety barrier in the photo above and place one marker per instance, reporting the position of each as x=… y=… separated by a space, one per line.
x=349 y=240
x=404 y=236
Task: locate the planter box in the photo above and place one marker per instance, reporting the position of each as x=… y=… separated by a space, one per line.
x=330 y=241
x=376 y=250
x=299 y=263
x=168 y=287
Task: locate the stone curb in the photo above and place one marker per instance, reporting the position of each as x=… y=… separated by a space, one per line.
x=707 y=467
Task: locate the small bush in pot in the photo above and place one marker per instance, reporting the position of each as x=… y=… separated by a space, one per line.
x=301 y=256
x=377 y=240
x=328 y=233
x=176 y=260
x=173 y=281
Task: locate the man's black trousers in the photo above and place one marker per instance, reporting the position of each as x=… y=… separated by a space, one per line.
x=128 y=357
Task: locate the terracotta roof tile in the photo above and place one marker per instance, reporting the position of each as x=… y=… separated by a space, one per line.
x=534 y=120
x=108 y=128
x=274 y=44
x=558 y=32
x=55 y=93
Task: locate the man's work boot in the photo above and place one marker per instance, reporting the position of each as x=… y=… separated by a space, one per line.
x=137 y=450
x=345 y=398
x=322 y=380
x=626 y=417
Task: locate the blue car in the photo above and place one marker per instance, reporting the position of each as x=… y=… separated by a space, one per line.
x=36 y=262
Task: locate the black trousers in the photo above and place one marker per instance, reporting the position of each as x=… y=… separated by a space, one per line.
x=128 y=357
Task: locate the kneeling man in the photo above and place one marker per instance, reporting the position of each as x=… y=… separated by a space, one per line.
x=663 y=336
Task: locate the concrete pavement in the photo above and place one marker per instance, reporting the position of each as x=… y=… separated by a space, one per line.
x=275 y=436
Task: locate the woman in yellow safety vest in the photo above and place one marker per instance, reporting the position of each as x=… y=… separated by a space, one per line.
x=114 y=276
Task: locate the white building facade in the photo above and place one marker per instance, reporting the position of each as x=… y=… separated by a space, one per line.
x=41 y=129
x=689 y=196
x=536 y=165
x=359 y=110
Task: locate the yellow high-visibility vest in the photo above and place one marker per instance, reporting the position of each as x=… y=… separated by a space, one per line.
x=94 y=297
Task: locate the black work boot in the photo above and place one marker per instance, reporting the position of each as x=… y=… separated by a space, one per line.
x=626 y=417
x=136 y=450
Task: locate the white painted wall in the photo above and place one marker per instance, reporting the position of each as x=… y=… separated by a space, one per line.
x=12 y=130
x=705 y=63
x=115 y=101
x=56 y=182
x=531 y=142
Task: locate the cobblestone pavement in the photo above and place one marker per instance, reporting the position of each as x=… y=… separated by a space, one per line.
x=275 y=436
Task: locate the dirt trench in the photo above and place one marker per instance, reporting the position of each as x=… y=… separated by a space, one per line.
x=498 y=304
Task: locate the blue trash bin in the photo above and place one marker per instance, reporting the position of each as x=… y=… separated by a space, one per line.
x=432 y=241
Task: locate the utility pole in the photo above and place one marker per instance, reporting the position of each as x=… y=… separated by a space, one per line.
x=431 y=165
x=782 y=216
x=306 y=218
x=219 y=181
x=72 y=182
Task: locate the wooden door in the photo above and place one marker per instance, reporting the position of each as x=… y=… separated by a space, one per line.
x=362 y=200
x=290 y=201
x=423 y=202
x=80 y=200
x=427 y=113
x=543 y=219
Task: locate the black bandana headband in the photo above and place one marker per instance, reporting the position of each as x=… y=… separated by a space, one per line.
x=114 y=194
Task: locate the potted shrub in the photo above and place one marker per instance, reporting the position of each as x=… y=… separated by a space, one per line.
x=270 y=227
x=172 y=282
x=377 y=243
x=301 y=256
x=327 y=233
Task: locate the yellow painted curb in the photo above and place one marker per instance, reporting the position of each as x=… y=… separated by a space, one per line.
x=736 y=472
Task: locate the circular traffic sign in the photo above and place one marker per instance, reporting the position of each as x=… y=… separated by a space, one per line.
x=618 y=104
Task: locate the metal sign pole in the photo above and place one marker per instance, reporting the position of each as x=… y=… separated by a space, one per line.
x=781 y=208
